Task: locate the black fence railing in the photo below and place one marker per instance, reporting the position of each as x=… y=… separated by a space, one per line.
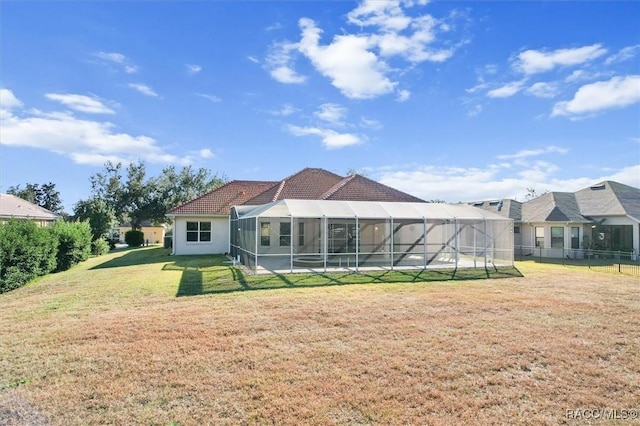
x=625 y=262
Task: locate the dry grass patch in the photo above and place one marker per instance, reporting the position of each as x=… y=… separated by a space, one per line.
x=114 y=345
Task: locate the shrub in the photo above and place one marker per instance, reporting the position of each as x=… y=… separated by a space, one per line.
x=74 y=243
x=100 y=246
x=134 y=238
x=26 y=252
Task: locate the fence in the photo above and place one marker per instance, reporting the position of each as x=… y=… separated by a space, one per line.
x=625 y=262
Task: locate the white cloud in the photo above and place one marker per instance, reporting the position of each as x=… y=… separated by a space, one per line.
x=403 y=95
x=495 y=181
x=507 y=90
x=84 y=141
x=206 y=153
x=538 y=61
x=279 y=62
x=286 y=110
x=347 y=62
x=193 y=69
x=525 y=153
x=287 y=75
x=331 y=113
x=330 y=138
x=624 y=54
x=618 y=92
x=253 y=59
x=385 y=14
x=212 y=98
x=370 y=123
x=8 y=101
x=144 y=89
x=80 y=103
x=118 y=58
x=543 y=90
x=356 y=64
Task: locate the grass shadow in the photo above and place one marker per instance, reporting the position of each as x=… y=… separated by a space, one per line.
x=212 y=277
x=211 y=274
x=136 y=256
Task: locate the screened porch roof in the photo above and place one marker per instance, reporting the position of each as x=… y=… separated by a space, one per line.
x=365 y=210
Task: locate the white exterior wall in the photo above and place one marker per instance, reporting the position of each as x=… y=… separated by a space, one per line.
x=219 y=244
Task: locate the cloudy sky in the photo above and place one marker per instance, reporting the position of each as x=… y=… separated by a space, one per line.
x=448 y=100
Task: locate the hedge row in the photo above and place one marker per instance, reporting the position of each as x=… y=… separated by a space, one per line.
x=28 y=251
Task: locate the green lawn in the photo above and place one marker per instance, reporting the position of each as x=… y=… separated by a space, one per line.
x=141 y=337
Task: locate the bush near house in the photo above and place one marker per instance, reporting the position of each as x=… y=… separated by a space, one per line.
x=134 y=238
x=101 y=246
x=28 y=251
x=74 y=243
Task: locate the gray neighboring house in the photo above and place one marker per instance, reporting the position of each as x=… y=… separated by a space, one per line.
x=12 y=207
x=604 y=216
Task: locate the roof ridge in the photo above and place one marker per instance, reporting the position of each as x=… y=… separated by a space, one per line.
x=337 y=186
x=280 y=188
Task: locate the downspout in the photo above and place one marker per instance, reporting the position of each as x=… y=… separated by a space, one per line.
x=357 y=242
x=323 y=235
x=391 y=241
x=424 y=240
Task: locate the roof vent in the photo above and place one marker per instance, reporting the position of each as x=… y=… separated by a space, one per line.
x=598 y=187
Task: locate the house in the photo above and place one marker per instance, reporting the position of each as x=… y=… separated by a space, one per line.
x=605 y=216
x=153 y=234
x=202 y=225
x=12 y=207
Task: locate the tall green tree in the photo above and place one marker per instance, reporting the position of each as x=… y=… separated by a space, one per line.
x=45 y=195
x=99 y=213
x=137 y=198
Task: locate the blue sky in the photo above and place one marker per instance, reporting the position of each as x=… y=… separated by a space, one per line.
x=445 y=100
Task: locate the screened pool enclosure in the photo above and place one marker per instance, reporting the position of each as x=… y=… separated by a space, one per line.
x=320 y=235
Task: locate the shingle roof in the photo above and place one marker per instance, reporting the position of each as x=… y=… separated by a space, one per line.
x=553 y=207
x=606 y=198
x=609 y=198
x=505 y=207
x=15 y=207
x=307 y=184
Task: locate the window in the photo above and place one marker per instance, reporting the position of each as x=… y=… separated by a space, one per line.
x=557 y=237
x=265 y=234
x=539 y=236
x=198 y=232
x=575 y=237
x=301 y=234
x=516 y=229
x=285 y=234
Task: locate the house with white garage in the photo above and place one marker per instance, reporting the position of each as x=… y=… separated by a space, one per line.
x=604 y=216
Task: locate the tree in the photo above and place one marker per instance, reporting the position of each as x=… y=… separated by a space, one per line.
x=137 y=199
x=175 y=188
x=44 y=195
x=99 y=213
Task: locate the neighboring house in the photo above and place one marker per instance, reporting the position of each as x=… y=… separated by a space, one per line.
x=605 y=216
x=12 y=207
x=202 y=225
x=153 y=234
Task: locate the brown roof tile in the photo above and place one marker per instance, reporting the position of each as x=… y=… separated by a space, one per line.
x=307 y=184
x=220 y=200
x=360 y=188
